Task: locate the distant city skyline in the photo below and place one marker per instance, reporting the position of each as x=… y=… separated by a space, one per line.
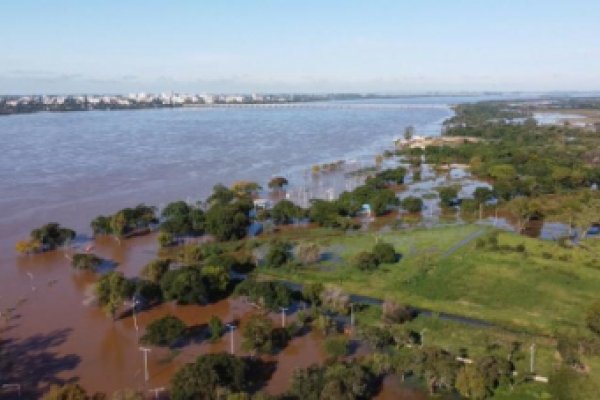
x=68 y=46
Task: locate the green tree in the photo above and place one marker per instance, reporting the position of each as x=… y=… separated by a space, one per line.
x=447 y=195
x=337 y=346
x=269 y=294
x=324 y=213
x=112 y=290
x=165 y=331
x=257 y=334
x=52 y=235
x=412 y=204
x=365 y=261
x=209 y=377
x=228 y=222
x=165 y=239
x=482 y=194
x=184 y=285
x=279 y=253
x=311 y=292
x=216 y=328
x=277 y=183
x=155 y=269
x=216 y=279
x=101 y=225
x=471 y=384
x=384 y=253
x=285 y=212
x=86 y=261
x=221 y=195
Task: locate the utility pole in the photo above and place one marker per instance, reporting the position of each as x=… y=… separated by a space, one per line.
x=133 y=305
x=156 y=392
x=283 y=310
x=532 y=358
x=231 y=330
x=146 y=350
x=423 y=337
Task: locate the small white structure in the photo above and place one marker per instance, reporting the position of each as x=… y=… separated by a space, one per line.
x=262 y=204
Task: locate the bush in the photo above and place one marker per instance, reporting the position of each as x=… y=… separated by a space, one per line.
x=337 y=346
x=271 y=295
x=568 y=348
x=412 y=204
x=384 y=253
x=185 y=285
x=285 y=212
x=86 y=261
x=165 y=331
x=165 y=239
x=593 y=318
x=311 y=292
x=216 y=328
x=209 y=376
x=365 y=261
x=335 y=299
x=52 y=235
x=154 y=270
x=279 y=253
x=309 y=253
x=394 y=313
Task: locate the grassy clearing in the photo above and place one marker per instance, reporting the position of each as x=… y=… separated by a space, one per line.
x=542 y=290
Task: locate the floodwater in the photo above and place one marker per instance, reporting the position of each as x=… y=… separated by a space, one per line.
x=70 y=167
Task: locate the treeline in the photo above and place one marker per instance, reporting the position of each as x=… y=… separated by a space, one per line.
x=523 y=160
x=484 y=113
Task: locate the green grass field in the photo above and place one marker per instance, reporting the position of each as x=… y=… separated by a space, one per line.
x=542 y=290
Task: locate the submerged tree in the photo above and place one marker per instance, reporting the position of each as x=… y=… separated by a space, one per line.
x=112 y=290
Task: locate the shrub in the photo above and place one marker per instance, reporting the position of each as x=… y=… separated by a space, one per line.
x=28 y=246
x=50 y=236
x=209 y=376
x=165 y=331
x=547 y=256
x=384 y=253
x=185 y=285
x=335 y=299
x=284 y=212
x=412 y=204
x=154 y=270
x=165 y=239
x=365 y=261
x=279 y=253
x=593 y=318
x=309 y=253
x=216 y=328
x=86 y=261
x=394 y=313
x=311 y=292
x=270 y=295
x=337 y=346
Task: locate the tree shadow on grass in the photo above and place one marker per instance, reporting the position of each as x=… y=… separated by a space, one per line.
x=34 y=363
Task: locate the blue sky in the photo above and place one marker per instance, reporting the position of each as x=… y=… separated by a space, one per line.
x=276 y=45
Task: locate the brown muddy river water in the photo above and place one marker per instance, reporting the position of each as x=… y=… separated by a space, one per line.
x=70 y=167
